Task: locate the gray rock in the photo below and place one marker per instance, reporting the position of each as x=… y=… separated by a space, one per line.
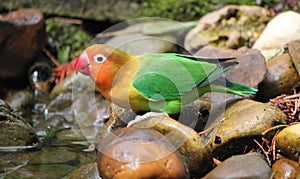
x=19 y=100
x=137 y=44
x=241 y=166
x=76 y=95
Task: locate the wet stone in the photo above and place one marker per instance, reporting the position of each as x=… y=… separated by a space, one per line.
x=15 y=131
x=281 y=77
x=20 y=101
x=42 y=171
x=237 y=126
x=288 y=141
x=293 y=48
x=186 y=141
x=72 y=134
x=286 y=169
x=241 y=166
x=86 y=171
x=53 y=155
x=51 y=125
x=138 y=153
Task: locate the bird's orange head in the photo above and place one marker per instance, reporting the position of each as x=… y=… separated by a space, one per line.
x=95 y=56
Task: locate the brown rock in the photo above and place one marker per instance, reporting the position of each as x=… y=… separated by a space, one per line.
x=138 y=153
x=22 y=34
x=229 y=27
x=294 y=47
x=281 y=77
x=241 y=166
x=286 y=169
x=86 y=171
x=239 y=124
x=187 y=142
x=288 y=141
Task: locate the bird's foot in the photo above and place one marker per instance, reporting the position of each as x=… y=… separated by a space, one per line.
x=62 y=71
x=139 y=118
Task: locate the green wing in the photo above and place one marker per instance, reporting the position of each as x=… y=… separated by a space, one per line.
x=169 y=76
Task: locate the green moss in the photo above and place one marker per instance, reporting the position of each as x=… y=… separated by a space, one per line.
x=68 y=39
x=184 y=10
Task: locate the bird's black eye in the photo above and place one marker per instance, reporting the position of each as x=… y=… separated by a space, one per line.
x=99 y=58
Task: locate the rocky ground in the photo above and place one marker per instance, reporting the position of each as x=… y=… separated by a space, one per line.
x=55 y=124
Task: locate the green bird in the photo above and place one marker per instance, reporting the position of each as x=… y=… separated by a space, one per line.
x=154 y=82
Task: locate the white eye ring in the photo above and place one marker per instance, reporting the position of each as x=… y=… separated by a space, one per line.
x=99 y=58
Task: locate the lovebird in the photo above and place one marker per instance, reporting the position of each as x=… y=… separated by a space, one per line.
x=155 y=82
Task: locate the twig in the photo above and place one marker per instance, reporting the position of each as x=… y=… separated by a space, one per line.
x=292 y=96
x=52 y=58
x=278 y=51
x=208 y=129
x=272 y=128
x=273 y=143
x=263 y=150
x=68 y=20
x=216 y=161
x=296 y=107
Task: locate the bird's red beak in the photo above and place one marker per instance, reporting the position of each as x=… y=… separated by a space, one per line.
x=82 y=65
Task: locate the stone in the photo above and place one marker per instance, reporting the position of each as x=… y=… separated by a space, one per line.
x=48 y=127
x=22 y=35
x=159 y=35
x=53 y=155
x=73 y=134
x=78 y=93
x=241 y=166
x=229 y=27
x=282 y=29
x=134 y=44
x=186 y=141
x=86 y=171
x=42 y=171
x=20 y=100
x=138 y=153
x=16 y=133
x=288 y=141
x=237 y=126
x=281 y=77
x=286 y=169
x=293 y=49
